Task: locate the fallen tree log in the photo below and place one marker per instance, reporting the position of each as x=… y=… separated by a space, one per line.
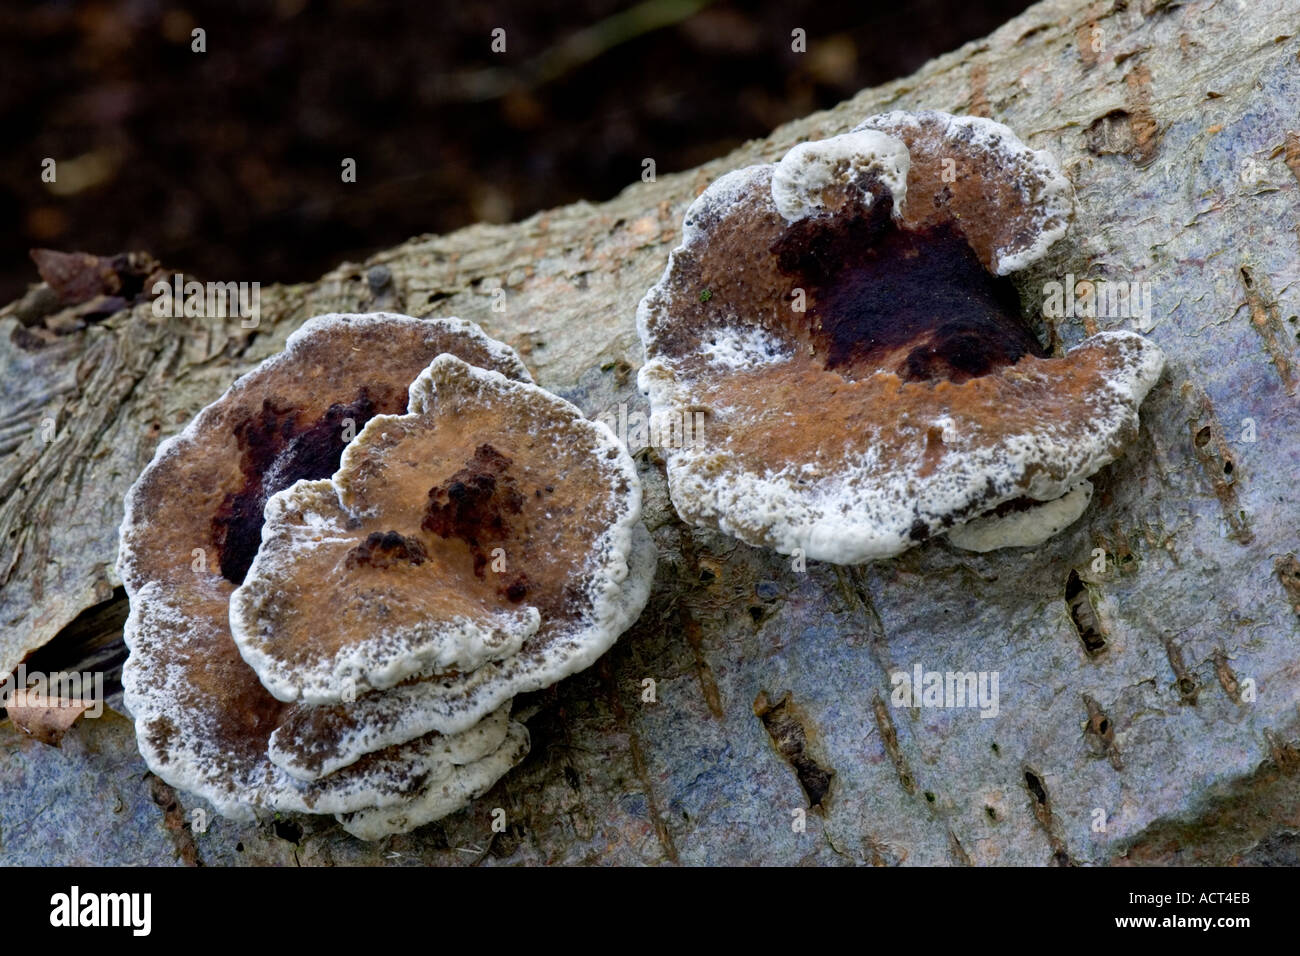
x=1148 y=658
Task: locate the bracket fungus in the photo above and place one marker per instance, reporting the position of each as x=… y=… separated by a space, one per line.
x=452 y=533
x=206 y=520
x=843 y=320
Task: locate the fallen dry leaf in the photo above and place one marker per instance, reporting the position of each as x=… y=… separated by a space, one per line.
x=79 y=277
x=45 y=718
x=76 y=276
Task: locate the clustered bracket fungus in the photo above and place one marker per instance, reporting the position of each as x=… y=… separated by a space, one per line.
x=329 y=525
x=844 y=321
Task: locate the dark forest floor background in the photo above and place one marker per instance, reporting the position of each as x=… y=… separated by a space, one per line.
x=226 y=164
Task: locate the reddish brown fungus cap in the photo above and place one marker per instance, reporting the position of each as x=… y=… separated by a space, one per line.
x=444 y=541
x=842 y=322
x=192 y=529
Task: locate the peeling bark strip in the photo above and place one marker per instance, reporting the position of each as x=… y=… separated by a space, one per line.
x=979 y=98
x=1040 y=804
x=1291 y=152
x=1090 y=36
x=1234 y=827
x=1125 y=559
x=1087 y=625
x=1145 y=130
x=638 y=761
x=1218 y=462
x=889 y=735
x=1285 y=756
x=959 y=854
x=1226 y=675
x=175 y=822
x=787 y=727
x=704 y=673
x=1266 y=319
x=1189 y=688
x=851 y=580
x=1102 y=733
x=85 y=288
x=691 y=628
x=1288 y=572
x=1132 y=131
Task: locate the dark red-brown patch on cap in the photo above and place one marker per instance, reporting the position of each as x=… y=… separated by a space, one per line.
x=919 y=303
x=477 y=504
x=277 y=447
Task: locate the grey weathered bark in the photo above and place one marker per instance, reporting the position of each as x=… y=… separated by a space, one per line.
x=1153 y=717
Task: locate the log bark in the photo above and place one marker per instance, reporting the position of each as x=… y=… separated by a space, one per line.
x=1148 y=658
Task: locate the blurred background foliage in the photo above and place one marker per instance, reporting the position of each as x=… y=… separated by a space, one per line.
x=226 y=164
